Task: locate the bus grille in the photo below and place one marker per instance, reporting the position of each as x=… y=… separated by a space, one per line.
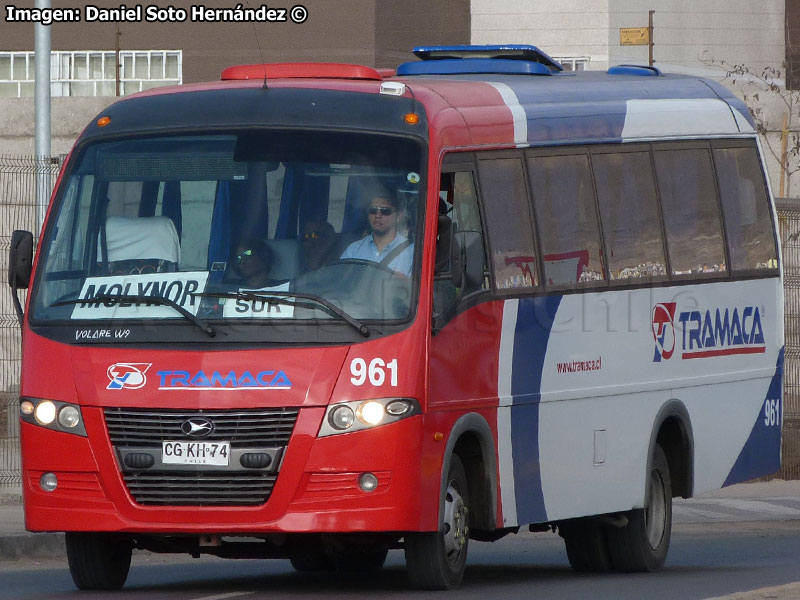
x=242 y=428
x=212 y=486
x=200 y=489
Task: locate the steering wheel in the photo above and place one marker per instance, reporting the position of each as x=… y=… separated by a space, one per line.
x=365 y=263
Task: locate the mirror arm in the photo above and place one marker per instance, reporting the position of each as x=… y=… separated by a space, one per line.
x=17 y=304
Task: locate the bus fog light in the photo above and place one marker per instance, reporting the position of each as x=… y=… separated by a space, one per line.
x=48 y=482
x=69 y=417
x=341 y=417
x=26 y=407
x=367 y=482
x=45 y=412
x=371 y=412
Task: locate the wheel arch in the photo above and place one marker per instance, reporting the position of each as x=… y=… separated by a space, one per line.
x=672 y=430
x=472 y=440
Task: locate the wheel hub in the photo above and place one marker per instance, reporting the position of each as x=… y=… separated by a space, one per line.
x=655 y=513
x=456 y=528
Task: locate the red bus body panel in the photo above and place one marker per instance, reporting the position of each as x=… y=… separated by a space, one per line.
x=316 y=490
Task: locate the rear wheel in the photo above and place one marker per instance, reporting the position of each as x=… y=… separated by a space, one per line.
x=437 y=560
x=642 y=545
x=98 y=561
x=587 y=548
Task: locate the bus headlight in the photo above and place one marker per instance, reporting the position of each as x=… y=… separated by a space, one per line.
x=341 y=417
x=371 y=413
x=45 y=412
x=69 y=417
x=345 y=417
x=52 y=414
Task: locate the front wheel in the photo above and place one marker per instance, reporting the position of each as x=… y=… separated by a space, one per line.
x=361 y=560
x=98 y=561
x=642 y=545
x=312 y=561
x=437 y=560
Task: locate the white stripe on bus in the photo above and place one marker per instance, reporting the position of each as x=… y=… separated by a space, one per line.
x=517 y=112
x=505 y=455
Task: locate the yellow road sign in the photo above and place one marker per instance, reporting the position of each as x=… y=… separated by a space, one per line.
x=634 y=36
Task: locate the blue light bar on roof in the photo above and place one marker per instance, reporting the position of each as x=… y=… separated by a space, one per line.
x=522 y=52
x=639 y=70
x=461 y=66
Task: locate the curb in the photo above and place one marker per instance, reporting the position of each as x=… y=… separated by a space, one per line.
x=782 y=592
x=32 y=546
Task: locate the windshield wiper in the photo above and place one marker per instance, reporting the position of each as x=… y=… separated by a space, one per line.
x=120 y=298
x=284 y=298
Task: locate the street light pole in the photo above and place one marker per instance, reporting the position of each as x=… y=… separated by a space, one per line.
x=42 y=108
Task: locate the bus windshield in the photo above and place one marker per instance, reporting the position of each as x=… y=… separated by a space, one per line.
x=257 y=227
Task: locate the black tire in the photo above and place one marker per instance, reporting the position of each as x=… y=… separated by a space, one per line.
x=437 y=560
x=312 y=561
x=357 y=560
x=98 y=561
x=642 y=545
x=587 y=547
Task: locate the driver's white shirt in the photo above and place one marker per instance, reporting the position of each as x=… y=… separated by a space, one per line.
x=366 y=249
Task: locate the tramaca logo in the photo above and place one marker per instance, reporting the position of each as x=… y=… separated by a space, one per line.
x=707 y=333
x=663 y=327
x=127 y=376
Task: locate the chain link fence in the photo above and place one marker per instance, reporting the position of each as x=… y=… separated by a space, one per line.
x=18 y=210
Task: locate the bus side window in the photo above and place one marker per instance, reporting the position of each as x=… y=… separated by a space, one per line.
x=629 y=215
x=691 y=211
x=567 y=217
x=458 y=201
x=508 y=222
x=745 y=209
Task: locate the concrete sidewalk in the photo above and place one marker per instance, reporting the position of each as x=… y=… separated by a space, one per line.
x=15 y=542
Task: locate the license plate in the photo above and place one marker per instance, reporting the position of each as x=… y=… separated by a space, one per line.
x=196 y=453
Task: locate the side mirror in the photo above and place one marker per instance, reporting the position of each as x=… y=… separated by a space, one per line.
x=20 y=258
x=467 y=260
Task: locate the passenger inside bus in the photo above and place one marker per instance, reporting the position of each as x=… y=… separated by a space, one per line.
x=252 y=261
x=384 y=243
x=322 y=245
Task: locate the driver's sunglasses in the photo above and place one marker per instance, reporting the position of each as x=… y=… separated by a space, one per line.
x=311 y=235
x=246 y=255
x=384 y=210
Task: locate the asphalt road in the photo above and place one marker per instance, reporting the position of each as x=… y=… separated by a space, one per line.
x=706 y=560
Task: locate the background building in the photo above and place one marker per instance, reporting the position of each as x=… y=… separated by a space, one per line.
x=687 y=34
x=371 y=32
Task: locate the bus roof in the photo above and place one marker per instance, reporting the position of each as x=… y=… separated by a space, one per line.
x=463 y=109
x=587 y=107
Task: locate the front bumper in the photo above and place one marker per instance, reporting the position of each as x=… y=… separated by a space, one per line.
x=316 y=489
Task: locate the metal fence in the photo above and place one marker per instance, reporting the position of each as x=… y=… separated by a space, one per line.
x=19 y=211
x=789 y=231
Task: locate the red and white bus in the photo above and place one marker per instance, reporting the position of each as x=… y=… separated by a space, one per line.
x=317 y=312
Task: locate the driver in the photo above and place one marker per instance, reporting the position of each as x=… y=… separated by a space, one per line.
x=384 y=244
